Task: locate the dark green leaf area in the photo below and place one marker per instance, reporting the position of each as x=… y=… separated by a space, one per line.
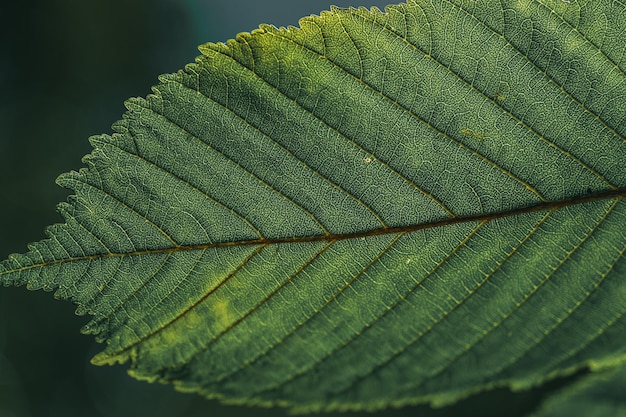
x=597 y=395
x=373 y=209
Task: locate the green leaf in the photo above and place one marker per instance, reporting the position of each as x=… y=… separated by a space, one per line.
x=374 y=209
x=598 y=395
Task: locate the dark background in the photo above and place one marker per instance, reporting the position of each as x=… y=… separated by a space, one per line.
x=65 y=69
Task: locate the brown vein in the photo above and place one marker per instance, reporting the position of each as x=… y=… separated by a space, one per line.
x=543 y=206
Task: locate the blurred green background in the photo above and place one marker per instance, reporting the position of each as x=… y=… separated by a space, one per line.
x=66 y=68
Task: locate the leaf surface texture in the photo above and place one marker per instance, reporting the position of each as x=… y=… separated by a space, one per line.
x=372 y=209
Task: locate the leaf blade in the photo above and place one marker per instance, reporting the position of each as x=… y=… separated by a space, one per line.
x=217 y=252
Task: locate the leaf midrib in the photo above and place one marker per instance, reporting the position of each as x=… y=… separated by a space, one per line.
x=481 y=217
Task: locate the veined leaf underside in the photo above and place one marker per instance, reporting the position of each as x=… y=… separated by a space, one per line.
x=376 y=208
